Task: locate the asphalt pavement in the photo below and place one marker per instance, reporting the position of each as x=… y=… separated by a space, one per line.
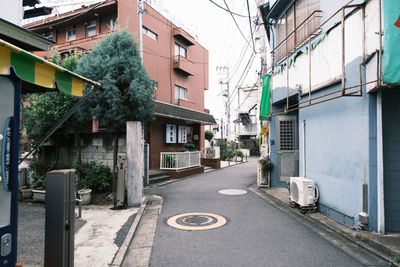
x=256 y=232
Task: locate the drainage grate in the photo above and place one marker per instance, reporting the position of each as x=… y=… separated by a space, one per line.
x=196 y=221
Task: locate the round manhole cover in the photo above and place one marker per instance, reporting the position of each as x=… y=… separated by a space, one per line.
x=232 y=192
x=196 y=221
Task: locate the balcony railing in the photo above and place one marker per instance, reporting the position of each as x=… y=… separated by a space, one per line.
x=298 y=36
x=179 y=160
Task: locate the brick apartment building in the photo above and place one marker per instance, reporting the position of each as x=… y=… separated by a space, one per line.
x=171 y=56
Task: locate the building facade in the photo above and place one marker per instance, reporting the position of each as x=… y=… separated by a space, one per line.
x=333 y=116
x=172 y=58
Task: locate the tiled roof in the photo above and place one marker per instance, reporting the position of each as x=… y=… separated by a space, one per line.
x=172 y=111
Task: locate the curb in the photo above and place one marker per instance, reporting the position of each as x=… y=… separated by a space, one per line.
x=346 y=233
x=119 y=257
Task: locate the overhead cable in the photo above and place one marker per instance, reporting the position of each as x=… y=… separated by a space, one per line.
x=237 y=24
x=227 y=10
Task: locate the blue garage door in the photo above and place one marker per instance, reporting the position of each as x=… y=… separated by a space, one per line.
x=391 y=158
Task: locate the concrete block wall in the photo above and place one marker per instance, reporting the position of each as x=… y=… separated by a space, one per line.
x=100 y=148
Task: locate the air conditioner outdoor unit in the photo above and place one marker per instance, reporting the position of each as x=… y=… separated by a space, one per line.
x=302 y=191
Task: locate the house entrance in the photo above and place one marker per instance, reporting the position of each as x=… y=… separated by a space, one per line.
x=287 y=147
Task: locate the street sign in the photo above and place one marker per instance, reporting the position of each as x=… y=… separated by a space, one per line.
x=264 y=130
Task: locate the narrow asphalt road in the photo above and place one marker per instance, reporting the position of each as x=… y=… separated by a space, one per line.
x=256 y=233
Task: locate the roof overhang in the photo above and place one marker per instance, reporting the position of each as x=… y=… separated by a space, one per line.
x=165 y=110
x=23 y=38
x=183 y=37
x=275 y=11
x=39 y=75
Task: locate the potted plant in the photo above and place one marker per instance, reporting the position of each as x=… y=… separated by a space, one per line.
x=26 y=192
x=238 y=153
x=266 y=169
x=39 y=187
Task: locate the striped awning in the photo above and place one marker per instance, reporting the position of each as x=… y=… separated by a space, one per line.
x=35 y=70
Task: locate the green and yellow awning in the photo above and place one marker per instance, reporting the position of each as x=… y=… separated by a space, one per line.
x=36 y=70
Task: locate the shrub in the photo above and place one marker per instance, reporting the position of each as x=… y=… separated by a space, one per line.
x=39 y=181
x=208 y=135
x=97 y=177
x=238 y=153
x=189 y=147
x=170 y=161
x=266 y=165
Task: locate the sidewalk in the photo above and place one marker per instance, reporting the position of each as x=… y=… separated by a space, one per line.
x=386 y=246
x=100 y=238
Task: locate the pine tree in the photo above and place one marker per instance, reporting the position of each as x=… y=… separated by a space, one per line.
x=126 y=93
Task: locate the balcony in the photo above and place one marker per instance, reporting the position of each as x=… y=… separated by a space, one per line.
x=82 y=44
x=183 y=65
x=298 y=36
x=183 y=37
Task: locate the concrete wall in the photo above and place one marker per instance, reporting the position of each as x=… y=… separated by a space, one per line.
x=337 y=150
x=12 y=11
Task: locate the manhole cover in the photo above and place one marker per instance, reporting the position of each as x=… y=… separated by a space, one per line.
x=196 y=221
x=232 y=192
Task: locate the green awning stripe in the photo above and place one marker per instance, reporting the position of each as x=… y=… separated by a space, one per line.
x=25 y=69
x=64 y=82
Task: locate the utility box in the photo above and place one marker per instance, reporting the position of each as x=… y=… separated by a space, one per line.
x=120 y=194
x=60 y=218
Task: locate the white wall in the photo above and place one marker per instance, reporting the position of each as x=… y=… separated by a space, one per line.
x=12 y=11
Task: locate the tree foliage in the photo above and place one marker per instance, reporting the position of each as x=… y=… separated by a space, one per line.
x=209 y=135
x=126 y=88
x=44 y=110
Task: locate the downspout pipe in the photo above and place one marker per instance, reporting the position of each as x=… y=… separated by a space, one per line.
x=379 y=137
x=303 y=141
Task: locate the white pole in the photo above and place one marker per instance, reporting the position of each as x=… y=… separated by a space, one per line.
x=303 y=140
x=140 y=12
x=379 y=140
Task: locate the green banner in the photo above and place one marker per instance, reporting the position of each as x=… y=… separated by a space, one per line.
x=391 y=55
x=265 y=108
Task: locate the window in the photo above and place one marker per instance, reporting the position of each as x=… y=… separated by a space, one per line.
x=149 y=33
x=287 y=135
x=90 y=28
x=180 y=50
x=113 y=24
x=296 y=16
x=180 y=93
x=71 y=34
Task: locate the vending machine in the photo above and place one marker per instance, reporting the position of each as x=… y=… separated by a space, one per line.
x=9 y=140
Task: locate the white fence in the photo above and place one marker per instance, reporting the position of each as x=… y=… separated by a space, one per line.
x=179 y=160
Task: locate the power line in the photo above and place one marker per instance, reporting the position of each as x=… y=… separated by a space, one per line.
x=251 y=32
x=227 y=10
x=237 y=24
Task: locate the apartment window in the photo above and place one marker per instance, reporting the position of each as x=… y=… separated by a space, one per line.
x=71 y=34
x=180 y=50
x=180 y=93
x=91 y=28
x=149 y=33
x=302 y=15
x=113 y=24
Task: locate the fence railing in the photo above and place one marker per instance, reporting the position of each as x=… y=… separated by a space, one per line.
x=179 y=160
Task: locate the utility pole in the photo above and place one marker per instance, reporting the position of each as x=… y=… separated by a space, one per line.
x=224 y=81
x=140 y=12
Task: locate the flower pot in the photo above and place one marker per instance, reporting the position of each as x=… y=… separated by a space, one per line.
x=27 y=193
x=39 y=195
x=85 y=196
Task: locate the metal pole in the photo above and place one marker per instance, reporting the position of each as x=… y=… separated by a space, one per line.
x=140 y=12
x=379 y=141
x=309 y=70
x=343 y=53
